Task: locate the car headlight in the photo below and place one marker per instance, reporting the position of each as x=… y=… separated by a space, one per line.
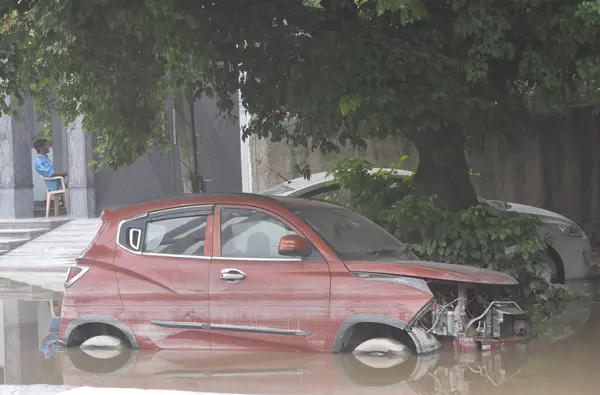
x=566 y=229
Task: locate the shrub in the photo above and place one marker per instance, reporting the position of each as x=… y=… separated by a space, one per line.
x=482 y=236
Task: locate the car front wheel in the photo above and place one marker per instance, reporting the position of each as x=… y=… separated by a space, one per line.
x=382 y=352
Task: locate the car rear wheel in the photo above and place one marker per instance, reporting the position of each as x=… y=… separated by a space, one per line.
x=103 y=347
x=99 y=361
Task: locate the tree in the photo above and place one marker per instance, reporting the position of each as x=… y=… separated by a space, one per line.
x=435 y=71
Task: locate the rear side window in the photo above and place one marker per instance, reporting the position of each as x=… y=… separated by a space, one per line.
x=176 y=236
x=178 y=231
x=131 y=234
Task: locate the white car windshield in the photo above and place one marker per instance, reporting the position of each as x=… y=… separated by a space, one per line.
x=353 y=236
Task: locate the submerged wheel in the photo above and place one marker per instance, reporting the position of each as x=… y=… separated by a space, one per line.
x=99 y=361
x=378 y=362
x=104 y=347
x=382 y=353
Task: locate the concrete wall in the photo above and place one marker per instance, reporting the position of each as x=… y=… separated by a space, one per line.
x=16 y=189
x=552 y=169
x=281 y=158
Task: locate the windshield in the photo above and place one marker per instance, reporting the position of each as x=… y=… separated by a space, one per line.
x=278 y=189
x=353 y=236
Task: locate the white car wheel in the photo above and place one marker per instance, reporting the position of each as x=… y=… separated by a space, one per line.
x=103 y=347
x=382 y=353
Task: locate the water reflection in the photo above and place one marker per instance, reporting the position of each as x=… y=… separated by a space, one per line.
x=273 y=372
x=28 y=356
x=26 y=316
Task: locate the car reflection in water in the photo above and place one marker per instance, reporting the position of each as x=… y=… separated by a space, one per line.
x=287 y=373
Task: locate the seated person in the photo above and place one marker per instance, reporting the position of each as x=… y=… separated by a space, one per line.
x=45 y=167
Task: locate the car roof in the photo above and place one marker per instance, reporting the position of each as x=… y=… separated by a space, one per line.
x=131 y=210
x=322 y=177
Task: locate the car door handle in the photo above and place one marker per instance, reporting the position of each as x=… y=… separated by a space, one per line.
x=232 y=276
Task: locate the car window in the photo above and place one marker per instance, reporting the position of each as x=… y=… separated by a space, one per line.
x=176 y=236
x=251 y=234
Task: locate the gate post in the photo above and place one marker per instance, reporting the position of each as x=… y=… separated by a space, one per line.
x=82 y=196
x=16 y=183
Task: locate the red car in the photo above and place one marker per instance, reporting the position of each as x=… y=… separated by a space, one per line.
x=252 y=272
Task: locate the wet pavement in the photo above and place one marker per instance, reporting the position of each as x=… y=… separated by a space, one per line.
x=563 y=360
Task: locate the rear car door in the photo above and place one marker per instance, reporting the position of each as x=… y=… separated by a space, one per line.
x=281 y=302
x=162 y=272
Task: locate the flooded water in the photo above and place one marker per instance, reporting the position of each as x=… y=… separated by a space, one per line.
x=27 y=356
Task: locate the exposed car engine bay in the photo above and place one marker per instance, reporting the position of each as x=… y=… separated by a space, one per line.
x=475 y=316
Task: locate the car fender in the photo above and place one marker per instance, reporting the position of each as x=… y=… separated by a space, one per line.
x=103 y=319
x=338 y=343
x=424 y=342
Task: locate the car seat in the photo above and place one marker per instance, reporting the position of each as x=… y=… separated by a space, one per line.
x=258 y=246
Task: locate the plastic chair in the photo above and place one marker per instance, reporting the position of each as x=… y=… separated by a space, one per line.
x=53 y=195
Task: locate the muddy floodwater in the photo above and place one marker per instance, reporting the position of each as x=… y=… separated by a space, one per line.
x=565 y=360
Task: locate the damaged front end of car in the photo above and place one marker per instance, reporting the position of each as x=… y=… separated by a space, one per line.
x=477 y=313
x=470 y=316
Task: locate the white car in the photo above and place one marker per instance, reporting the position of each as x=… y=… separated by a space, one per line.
x=569 y=255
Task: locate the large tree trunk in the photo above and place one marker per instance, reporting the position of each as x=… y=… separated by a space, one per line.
x=443 y=170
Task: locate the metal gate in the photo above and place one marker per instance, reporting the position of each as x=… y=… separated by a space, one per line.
x=158 y=174
x=154 y=175
x=218 y=143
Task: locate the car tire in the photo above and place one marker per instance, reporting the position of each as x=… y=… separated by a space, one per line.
x=85 y=362
x=378 y=362
x=556 y=267
x=382 y=353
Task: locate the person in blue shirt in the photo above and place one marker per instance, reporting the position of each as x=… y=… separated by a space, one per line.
x=44 y=166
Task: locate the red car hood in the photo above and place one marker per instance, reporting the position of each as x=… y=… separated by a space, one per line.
x=439 y=271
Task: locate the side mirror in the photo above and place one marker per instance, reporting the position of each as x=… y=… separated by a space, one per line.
x=294 y=246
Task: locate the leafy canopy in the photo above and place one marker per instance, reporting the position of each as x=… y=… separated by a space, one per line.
x=349 y=69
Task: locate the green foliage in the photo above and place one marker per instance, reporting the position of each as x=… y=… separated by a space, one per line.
x=352 y=69
x=481 y=236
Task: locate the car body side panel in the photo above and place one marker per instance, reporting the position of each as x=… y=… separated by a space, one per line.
x=291 y=298
x=168 y=289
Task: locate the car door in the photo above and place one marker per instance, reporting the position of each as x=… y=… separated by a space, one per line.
x=162 y=272
x=258 y=298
